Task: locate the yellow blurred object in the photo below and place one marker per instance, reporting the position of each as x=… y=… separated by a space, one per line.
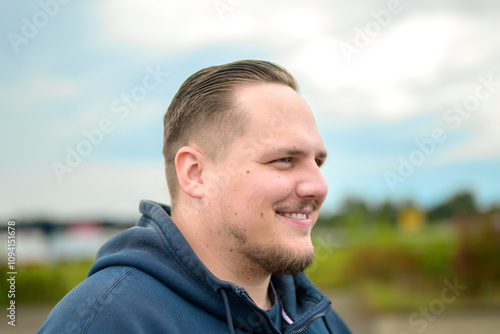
x=411 y=219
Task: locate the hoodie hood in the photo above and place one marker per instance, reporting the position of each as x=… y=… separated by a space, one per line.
x=157 y=247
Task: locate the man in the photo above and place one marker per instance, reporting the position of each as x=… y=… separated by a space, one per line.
x=242 y=156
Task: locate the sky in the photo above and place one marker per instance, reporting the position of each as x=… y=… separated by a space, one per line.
x=406 y=95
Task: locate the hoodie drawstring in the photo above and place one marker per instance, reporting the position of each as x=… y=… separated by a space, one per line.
x=228 y=312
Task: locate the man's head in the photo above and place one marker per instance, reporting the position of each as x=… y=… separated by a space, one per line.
x=256 y=200
x=204 y=111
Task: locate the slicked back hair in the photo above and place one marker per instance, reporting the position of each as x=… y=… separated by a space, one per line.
x=204 y=111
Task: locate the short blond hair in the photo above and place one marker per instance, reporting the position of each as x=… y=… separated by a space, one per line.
x=204 y=112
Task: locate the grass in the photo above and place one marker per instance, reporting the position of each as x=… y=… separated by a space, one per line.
x=45 y=283
x=395 y=270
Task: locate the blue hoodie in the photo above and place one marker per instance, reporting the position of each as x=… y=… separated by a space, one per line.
x=148 y=279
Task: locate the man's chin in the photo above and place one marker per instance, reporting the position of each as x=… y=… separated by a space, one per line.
x=297 y=265
x=288 y=256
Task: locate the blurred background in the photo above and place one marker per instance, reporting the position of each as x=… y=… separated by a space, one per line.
x=406 y=95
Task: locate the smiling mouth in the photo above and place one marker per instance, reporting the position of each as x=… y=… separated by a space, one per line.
x=295 y=215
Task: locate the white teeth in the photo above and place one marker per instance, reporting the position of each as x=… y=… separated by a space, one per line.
x=295 y=215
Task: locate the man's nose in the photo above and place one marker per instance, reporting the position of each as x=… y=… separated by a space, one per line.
x=312 y=184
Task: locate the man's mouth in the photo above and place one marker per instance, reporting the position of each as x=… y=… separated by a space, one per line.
x=299 y=213
x=295 y=215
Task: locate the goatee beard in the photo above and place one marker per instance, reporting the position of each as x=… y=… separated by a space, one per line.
x=277 y=260
x=269 y=259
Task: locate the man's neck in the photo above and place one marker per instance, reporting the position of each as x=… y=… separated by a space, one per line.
x=227 y=265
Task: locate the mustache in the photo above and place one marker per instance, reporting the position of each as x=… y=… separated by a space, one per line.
x=299 y=206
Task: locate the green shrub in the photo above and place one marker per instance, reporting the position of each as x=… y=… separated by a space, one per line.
x=395 y=270
x=48 y=283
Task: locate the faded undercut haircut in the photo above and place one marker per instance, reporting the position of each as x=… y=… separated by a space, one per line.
x=204 y=112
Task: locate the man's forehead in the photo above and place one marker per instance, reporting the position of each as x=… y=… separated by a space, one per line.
x=277 y=116
x=273 y=104
x=268 y=93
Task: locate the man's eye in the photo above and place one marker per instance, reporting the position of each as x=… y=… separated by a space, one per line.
x=283 y=160
x=319 y=162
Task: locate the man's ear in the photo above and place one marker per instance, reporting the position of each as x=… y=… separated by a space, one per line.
x=189 y=168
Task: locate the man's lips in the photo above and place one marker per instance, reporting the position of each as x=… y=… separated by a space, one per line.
x=296 y=218
x=299 y=213
x=295 y=214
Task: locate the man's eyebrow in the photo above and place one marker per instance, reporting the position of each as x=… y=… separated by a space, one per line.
x=297 y=152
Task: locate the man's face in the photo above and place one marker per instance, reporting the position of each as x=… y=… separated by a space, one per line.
x=264 y=196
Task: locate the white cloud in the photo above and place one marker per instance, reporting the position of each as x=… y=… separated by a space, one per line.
x=171 y=26
x=408 y=52
x=484 y=138
x=300 y=22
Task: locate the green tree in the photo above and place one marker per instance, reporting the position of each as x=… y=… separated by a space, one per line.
x=458 y=204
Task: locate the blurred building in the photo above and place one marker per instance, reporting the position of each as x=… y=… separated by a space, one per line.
x=411 y=219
